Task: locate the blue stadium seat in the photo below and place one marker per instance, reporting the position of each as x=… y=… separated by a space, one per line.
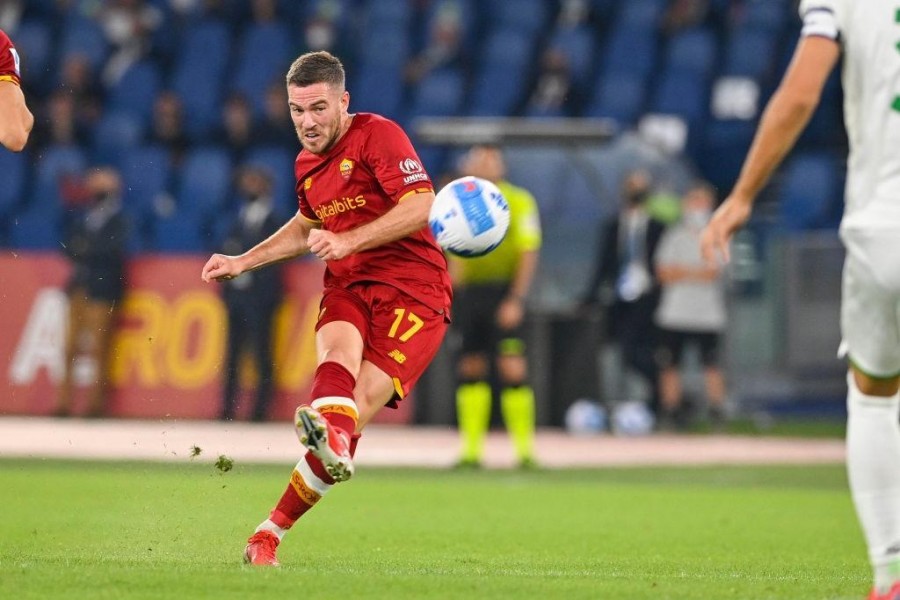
x=692 y=50
x=204 y=190
x=769 y=14
x=385 y=46
x=523 y=15
x=440 y=94
x=724 y=146
x=498 y=90
x=280 y=164
x=640 y=13
x=206 y=179
x=682 y=93
x=502 y=72
x=35 y=44
x=619 y=97
x=146 y=174
x=379 y=89
x=506 y=46
x=263 y=57
x=389 y=11
x=14 y=167
x=136 y=90
x=200 y=73
x=749 y=52
x=38 y=225
x=54 y=163
x=183 y=233
x=809 y=192
x=84 y=36
x=115 y=133
x=631 y=50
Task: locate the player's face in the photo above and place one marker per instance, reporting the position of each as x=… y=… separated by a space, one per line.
x=319 y=113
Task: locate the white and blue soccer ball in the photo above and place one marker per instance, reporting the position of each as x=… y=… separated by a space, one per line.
x=469 y=217
x=586 y=417
x=632 y=417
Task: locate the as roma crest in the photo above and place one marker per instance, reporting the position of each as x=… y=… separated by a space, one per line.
x=346 y=168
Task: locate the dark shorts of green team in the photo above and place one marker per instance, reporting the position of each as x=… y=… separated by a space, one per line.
x=475 y=320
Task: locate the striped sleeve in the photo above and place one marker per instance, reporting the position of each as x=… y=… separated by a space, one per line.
x=819 y=19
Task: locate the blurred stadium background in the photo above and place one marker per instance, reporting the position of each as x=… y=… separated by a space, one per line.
x=177 y=94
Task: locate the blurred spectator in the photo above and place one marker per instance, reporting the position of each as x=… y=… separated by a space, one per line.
x=553 y=90
x=78 y=79
x=95 y=245
x=251 y=299
x=10 y=14
x=683 y=14
x=443 y=48
x=56 y=123
x=264 y=11
x=237 y=131
x=691 y=309
x=129 y=26
x=167 y=128
x=276 y=127
x=624 y=281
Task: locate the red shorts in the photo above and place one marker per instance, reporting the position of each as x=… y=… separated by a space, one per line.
x=400 y=334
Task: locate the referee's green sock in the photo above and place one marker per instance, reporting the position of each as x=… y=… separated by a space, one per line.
x=517 y=405
x=473 y=411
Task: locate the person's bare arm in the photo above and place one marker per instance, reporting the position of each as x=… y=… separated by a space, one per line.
x=288 y=242
x=16 y=120
x=410 y=215
x=512 y=310
x=785 y=117
x=673 y=273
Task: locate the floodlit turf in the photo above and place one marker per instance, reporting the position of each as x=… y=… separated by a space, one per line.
x=134 y=530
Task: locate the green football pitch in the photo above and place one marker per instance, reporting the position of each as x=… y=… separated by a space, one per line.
x=144 y=530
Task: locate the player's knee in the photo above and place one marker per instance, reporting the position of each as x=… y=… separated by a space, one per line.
x=513 y=370
x=875 y=386
x=472 y=367
x=345 y=359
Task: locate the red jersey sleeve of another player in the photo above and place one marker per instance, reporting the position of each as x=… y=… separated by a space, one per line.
x=9 y=60
x=393 y=160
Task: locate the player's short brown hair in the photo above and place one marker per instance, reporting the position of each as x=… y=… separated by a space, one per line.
x=317 y=67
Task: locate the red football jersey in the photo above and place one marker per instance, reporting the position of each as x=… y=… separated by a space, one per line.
x=368 y=171
x=9 y=60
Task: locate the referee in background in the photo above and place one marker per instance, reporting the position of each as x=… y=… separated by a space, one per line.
x=488 y=313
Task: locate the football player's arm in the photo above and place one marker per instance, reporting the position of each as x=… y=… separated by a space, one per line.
x=784 y=118
x=16 y=120
x=288 y=242
x=407 y=217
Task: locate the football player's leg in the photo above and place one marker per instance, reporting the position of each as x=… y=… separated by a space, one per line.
x=327 y=425
x=869 y=326
x=374 y=389
x=473 y=406
x=517 y=398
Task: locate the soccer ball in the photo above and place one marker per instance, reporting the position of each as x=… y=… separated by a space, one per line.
x=469 y=217
x=632 y=417
x=585 y=417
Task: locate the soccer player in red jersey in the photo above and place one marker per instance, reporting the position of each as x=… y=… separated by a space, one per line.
x=364 y=200
x=16 y=120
